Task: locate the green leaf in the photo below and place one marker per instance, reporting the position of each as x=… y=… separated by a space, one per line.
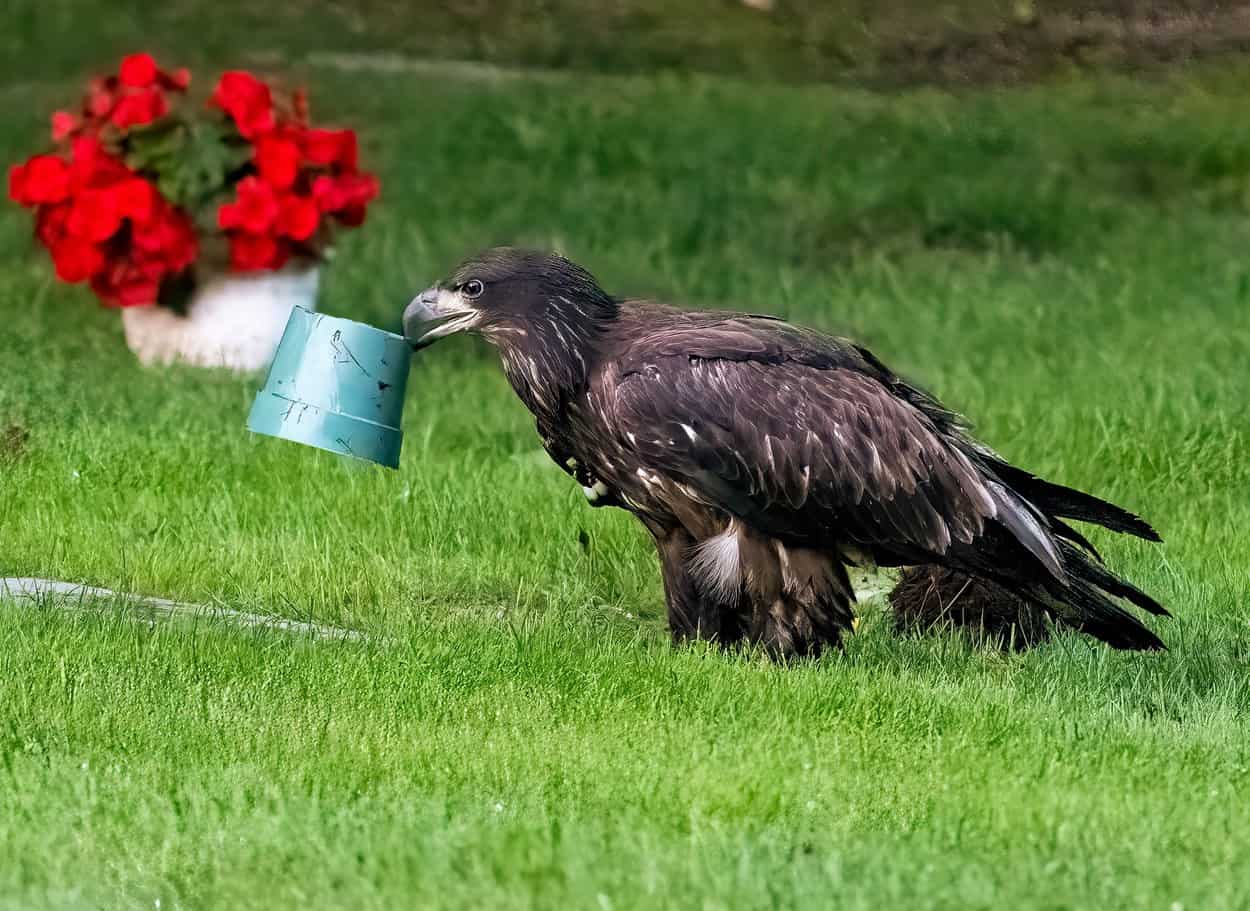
x=152 y=149
x=192 y=162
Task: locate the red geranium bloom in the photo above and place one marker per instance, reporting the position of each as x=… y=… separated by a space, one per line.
x=167 y=235
x=97 y=212
x=248 y=102
x=101 y=96
x=95 y=215
x=43 y=179
x=93 y=165
x=346 y=191
x=255 y=211
x=250 y=252
x=50 y=225
x=138 y=71
x=277 y=160
x=123 y=284
x=138 y=108
x=135 y=198
x=299 y=217
x=181 y=246
x=330 y=147
x=105 y=223
x=76 y=260
x=64 y=125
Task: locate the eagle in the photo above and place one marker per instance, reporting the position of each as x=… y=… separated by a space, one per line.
x=765 y=458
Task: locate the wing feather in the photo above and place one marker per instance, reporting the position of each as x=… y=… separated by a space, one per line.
x=812 y=447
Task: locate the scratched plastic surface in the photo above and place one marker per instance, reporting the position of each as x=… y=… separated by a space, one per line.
x=337 y=385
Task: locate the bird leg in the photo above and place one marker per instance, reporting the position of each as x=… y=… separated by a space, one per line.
x=801 y=599
x=694 y=613
x=739 y=584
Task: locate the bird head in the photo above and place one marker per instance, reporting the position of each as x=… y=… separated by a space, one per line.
x=506 y=293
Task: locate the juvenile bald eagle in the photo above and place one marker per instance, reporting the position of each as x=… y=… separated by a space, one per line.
x=763 y=458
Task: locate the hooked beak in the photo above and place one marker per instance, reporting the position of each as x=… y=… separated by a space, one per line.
x=434 y=313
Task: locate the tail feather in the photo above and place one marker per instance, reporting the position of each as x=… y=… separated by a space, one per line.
x=1067 y=503
x=1080 y=566
x=1081 y=593
x=1082 y=602
x=1088 y=610
x=1063 y=530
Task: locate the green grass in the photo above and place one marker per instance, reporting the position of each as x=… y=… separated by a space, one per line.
x=1066 y=263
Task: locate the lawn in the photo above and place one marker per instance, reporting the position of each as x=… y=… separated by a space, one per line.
x=1065 y=263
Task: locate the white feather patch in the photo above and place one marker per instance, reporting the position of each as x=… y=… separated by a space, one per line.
x=596 y=492
x=717 y=564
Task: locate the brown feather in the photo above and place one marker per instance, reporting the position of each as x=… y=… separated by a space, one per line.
x=804 y=449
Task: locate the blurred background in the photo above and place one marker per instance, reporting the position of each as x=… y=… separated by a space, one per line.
x=893 y=43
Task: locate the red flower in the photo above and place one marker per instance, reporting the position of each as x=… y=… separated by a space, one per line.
x=168 y=235
x=299 y=217
x=95 y=215
x=181 y=247
x=43 y=179
x=346 y=191
x=101 y=96
x=64 y=125
x=255 y=211
x=136 y=96
x=138 y=71
x=138 y=108
x=109 y=225
x=76 y=260
x=330 y=147
x=251 y=252
x=123 y=284
x=97 y=212
x=136 y=198
x=160 y=245
x=93 y=165
x=248 y=102
x=277 y=160
x=50 y=224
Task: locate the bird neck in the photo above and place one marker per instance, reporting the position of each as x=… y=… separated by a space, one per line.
x=549 y=363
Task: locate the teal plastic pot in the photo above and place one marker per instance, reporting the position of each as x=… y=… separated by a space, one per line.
x=337 y=385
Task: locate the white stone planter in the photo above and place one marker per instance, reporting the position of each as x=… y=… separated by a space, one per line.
x=232 y=320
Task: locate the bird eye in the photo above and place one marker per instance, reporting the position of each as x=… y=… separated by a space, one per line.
x=472 y=288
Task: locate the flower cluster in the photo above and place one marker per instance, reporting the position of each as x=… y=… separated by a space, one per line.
x=102 y=222
x=133 y=173
x=138 y=94
x=302 y=176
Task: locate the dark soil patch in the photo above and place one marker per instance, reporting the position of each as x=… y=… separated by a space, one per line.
x=1128 y=36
